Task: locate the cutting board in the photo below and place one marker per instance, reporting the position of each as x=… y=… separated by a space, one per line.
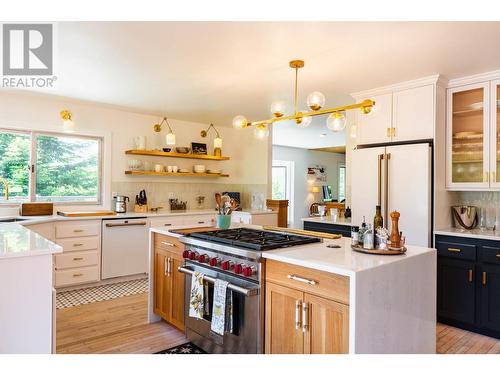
x=86 y=213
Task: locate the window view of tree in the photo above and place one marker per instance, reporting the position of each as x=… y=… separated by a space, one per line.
x=279 y=182
x=67 y=169
x=15 y=163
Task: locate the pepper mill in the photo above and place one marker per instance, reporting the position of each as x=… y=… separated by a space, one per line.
x=395 y=238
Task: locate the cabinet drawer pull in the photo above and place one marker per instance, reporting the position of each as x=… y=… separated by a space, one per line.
x=298 y=304
x=169 y=266
x=78 y=258
x=165 y=266
x=168 y=244
x=393 y=132
x=484 y=278
x=471 y=276
x=388 y=132
x=201 y=222
x=498 y=255
x=77 y=230
x=454 y=250
x=305 y=317
x=302 y=280
x=77 y=244
x=168 y=224
x=77 y=274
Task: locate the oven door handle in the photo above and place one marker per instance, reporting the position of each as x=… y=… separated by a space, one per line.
x=235 y=288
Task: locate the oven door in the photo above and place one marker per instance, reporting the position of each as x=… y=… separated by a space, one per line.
x=245 y=336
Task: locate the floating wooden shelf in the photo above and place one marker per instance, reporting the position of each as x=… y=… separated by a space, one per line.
x=175 y=155
x=178 y=174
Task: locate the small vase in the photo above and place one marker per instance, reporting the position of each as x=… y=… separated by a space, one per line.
x=223 y=221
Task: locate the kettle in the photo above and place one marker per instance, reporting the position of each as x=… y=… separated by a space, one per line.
x=465 y=216
x=120 y=204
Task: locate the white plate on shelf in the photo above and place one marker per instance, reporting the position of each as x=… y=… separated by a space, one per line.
x=214 y=171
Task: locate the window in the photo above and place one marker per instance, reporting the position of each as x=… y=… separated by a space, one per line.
x=50 y=167
x=341 y=183
x=282 y=183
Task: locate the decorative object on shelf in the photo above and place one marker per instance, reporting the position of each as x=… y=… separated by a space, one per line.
x=182 y=150
x=199 y=148
x=217 y=140
x=134 y=165
x=179 y=172
x=170 y=138
x=140 y=142
x=176 y=205
x=175 y=154
x=166 y=149
x=199 y=168
x=68 y=124
x=315 y=100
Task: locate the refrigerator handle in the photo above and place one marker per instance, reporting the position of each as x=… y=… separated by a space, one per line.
x=386 y=188
x=379 y=186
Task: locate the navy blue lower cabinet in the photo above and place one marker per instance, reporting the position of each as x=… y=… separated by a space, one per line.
x=468 y=282
x=456 y=290
x=344 y=230
x=490 y=296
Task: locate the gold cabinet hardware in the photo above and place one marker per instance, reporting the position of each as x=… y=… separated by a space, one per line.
x=169 y=266
x=302 y=280
x=393 y=132
x=498 y=255
x=388 y=132
x=168 y=244
x=454 y=250
x=484 y=278
x=298 y=323
x=471 y=276
x=78 y=258
x=77 y=244
x=77 y=230
x=77 y=274
x=165 y=266
x=305 y=317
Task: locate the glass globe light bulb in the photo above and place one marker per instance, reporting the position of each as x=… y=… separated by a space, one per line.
x=218 y=142
x=278 y=108
x=261 y=131
x=69 y=126
x=170 y=139
x=315 y=100
x=240 y=122
x=336 y=122
x=305 y=121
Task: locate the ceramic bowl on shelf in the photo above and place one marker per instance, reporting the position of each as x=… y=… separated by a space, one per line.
x=183 y=150
x=165 y=149
x=199 y=168
x=183 y=170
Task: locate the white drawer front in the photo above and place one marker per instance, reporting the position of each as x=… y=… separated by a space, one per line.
x=199 y=220
x=77 y=259
x=76 y=276
x=78 y=229
x=167 y=221
x=79 y=243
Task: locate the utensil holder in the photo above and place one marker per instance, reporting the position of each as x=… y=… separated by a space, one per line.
x=223 y=221
x=141 y=208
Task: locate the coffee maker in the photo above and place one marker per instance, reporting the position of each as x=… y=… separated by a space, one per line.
x=120 y=203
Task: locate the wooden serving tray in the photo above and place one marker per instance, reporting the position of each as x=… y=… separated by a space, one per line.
x=378 y=251
x=302 y=232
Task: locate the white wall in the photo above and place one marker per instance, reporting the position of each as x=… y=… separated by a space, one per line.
x=302 y=159
x=249 y=157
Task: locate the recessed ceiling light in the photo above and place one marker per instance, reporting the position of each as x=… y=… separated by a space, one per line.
x=322 y=135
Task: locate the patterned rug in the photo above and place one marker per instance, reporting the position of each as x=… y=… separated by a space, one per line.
x=100 y=293
x=187 y=348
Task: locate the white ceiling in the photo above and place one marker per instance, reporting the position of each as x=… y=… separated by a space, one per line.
x=212 y=71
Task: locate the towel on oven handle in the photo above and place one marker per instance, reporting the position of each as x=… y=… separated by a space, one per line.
x=220 y=307
x=197 y=299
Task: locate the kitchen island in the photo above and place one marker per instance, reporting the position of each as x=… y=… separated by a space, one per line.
x=327 y=224
x=27 y=312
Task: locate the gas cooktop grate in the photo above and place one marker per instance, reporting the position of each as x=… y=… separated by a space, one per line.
x=254 y=239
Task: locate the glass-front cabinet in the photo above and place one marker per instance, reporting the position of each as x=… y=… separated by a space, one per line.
x=495 y=134
x=468 y=133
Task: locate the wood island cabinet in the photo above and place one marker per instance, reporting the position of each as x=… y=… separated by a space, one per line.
x=307 y=311
x=168 y=283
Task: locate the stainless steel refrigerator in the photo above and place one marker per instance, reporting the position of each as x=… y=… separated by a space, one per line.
x=398 y=178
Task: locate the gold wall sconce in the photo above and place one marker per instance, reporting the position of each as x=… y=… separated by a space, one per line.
x=170 y=138
x=217 y=139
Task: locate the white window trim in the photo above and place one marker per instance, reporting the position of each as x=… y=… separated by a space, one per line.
x=341 y=165
x=290 y=167
x=104 y=176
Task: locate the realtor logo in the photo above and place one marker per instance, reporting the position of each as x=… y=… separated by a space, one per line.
x=27 y=50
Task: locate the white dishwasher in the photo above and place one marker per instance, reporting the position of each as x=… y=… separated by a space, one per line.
x=124 y=247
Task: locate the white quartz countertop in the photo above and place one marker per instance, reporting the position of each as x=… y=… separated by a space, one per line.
x=17 y=241
x=328 y=220
x=343 y=260
x=472 y=233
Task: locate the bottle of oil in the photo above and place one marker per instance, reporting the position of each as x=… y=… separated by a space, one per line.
x=378 y=220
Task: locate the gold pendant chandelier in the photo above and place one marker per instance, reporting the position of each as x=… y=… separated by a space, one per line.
x=315 y=101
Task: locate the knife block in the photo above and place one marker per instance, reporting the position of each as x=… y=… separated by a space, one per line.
x=141 y=208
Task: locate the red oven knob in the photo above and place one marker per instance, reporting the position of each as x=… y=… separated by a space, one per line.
x=214 y=262
x=186 y=254
x=203 y=258
x=193 y=255
x=226 y=265
x=238 y=268
x=248 y=271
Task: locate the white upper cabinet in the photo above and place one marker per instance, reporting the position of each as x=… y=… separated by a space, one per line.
x=413 y=114
x=402 y=112
x=375 y=127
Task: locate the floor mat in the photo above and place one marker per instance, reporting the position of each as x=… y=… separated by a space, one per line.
x=187 y=348
x=100 y=293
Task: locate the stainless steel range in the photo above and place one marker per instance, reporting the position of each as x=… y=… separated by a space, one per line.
x=233 y=255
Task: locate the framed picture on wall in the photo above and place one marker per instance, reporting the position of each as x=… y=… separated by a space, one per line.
x=317 y=173
x=199 y=148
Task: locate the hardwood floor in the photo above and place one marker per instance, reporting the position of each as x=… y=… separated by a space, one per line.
x=114 y=326
x=120 y=326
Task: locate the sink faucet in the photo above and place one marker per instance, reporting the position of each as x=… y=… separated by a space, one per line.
x=5 y=188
